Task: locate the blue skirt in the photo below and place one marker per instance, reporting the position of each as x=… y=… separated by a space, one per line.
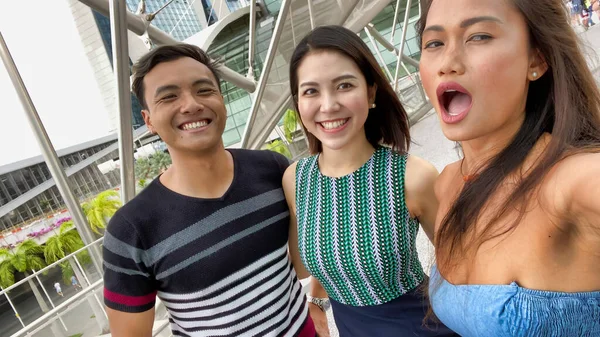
x=402 y=316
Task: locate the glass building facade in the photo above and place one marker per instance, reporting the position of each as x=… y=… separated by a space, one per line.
x=178 y=19
x=103 y=24
x=231 y=45
x=86 y=183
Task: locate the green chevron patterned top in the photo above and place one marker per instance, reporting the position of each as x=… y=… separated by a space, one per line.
x=355 y=234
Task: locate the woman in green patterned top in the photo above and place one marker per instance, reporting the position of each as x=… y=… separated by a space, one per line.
x=360 y=198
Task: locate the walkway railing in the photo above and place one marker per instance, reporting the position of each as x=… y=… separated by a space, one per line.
x=88 y=285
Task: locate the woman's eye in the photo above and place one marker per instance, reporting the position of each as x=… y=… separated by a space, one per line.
x=479 y=37
x=310 y=92
x=433 y=44
x=345 y=86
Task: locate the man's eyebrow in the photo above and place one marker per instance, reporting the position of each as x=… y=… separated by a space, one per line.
x=203 y=81
x=465 y=23
x=164 y=88
x=168 y=87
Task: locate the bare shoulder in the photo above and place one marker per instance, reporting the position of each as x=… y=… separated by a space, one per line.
x=419 y=172
x=573 y=184
x=445 y=179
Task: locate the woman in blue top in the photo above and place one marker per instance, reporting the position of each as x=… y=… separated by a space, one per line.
x=518 y=230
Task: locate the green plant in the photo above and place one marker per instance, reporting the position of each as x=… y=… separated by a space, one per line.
x=279 y=146
x=142 y=183
x=160 y=161
x=26 y=256
x=64 y=243
x=290 y=123
x=100 y=209
x=150 y=167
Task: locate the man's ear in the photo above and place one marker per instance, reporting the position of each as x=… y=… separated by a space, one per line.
x=148 y=121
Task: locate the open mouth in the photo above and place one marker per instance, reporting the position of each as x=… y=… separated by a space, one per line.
x=454 y=100
x=189 y=126
x=334 y=124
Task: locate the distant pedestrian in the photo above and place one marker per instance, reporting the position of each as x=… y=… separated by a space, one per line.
x=75 y=283
x=58 y=289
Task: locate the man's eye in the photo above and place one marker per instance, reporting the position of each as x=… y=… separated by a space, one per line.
x=206 y=91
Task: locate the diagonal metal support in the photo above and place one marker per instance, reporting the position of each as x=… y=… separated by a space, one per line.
x=283 y=12
x=402 y=42
x=137 y=25
x=49 y=154
x=391 y=47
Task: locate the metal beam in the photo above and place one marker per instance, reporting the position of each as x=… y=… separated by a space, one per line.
x=396 y=12
x=118 y=29
x=262 y=83
x=49 y=154
x=402 y=42
x=137 y=25
x=381 y=59
x=251 y=39
x=391 y=47
x=310 y=14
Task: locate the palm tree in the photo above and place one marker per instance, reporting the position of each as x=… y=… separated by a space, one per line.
x=143 y=168
x=26 y=256
x=100 y=209
x=279 y=146
x=160 y=161
x=64 y=243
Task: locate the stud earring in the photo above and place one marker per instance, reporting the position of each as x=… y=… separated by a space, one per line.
x=373 y=106
x=535 y=74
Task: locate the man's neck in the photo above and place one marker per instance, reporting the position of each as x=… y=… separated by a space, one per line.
x=207 y=175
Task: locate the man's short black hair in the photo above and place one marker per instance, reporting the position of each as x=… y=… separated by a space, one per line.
x=168 y=53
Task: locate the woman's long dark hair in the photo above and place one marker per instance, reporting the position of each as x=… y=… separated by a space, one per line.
x=387 y=123
x=564 y=102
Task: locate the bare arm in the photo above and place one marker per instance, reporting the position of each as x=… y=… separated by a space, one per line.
x=125 y=324
x=420 y=193
x=289 y=187
x=319 y=317
x=584 y=194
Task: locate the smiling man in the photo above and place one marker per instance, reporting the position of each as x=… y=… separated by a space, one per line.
x=209 y=236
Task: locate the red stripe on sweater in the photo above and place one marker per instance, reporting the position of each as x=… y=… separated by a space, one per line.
x=130 y=301
x=308 y=330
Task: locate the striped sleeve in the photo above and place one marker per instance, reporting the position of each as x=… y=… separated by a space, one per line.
x=128 y=283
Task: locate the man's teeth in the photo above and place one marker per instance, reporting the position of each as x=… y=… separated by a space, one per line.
x=333 y=125
x=195 y=125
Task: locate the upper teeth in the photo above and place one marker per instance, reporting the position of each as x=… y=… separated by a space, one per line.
x=194 y=125
x=334 y=124
x=450 y=90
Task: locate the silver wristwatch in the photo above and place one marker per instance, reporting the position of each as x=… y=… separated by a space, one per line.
x=322 y=303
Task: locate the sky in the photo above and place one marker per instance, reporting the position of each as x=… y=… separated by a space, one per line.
x=43 y=40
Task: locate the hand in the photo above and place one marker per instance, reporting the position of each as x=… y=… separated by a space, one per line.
x=320 y=319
